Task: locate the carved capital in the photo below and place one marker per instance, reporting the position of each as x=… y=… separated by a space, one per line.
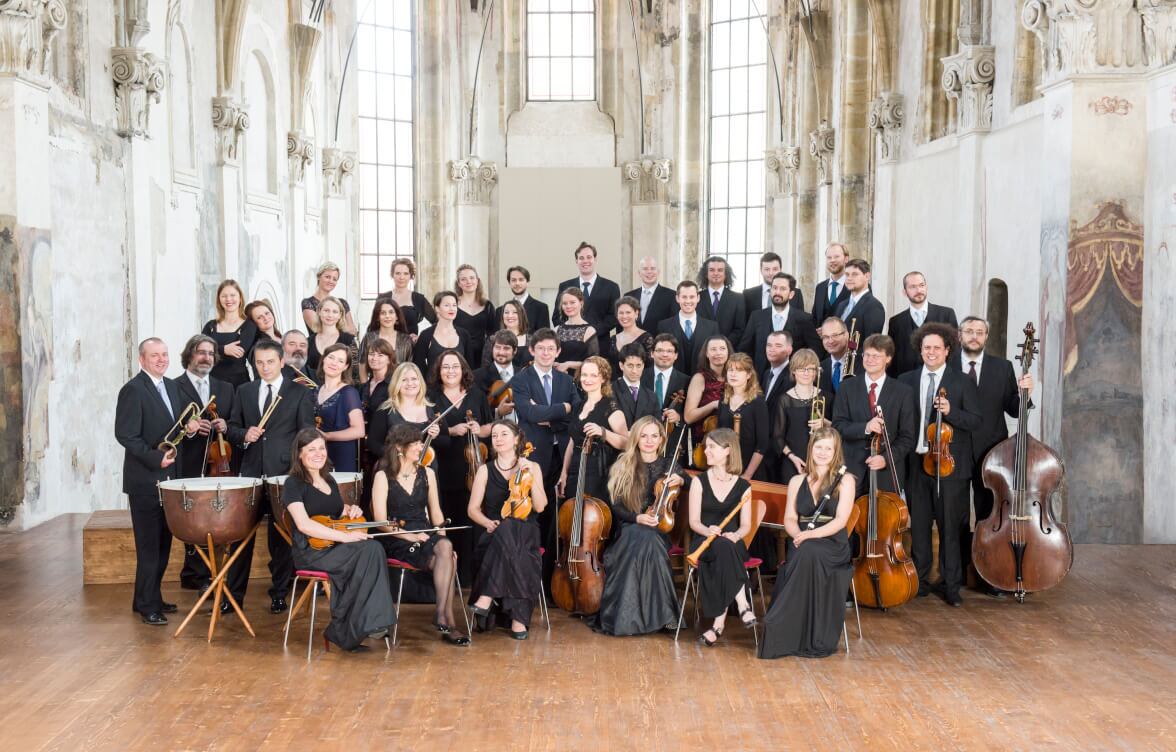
x=967 y=78
x=300 y=152
x=887 y=113
x=1079 y=37
x=27 y=29
x=821 y=144
x=338 y=167
x=230 y=119
x=647 y=179
x=139 y=77
x=783 y=162
x=1159 y=32
x=475 y=179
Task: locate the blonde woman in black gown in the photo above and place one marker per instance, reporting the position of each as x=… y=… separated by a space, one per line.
x=808 y=606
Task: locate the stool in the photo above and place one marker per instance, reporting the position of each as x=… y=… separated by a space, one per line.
x=404 y=566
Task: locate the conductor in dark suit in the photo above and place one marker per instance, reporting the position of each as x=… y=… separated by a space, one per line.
x=779 y=316
x=147 y=408
x=544 y=399
x=947 y=504
x=600 y=296
x=538 y=314
x=758 y=297
x=634 y=399
x=902 y=325
x=855 y=419
x=658 y=302
x=265 y=452
x=719 y=302
x=831 y=291
x=861 y=305
x=688 y=327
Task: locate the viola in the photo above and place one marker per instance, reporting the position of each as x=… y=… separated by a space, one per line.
x=518 y=504
x=220 y=451
x=710 y=423
x=583 y=522
x=475 y=453
x=666 y=496
x=938 y=462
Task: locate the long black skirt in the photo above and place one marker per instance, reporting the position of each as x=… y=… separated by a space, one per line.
x=361 y=602
x=721 y=575
x=808 y=607
x=638 y=593
x=509 y=568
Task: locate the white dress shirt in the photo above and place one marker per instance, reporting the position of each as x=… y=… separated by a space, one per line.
x=277 y=385
x=922 y=397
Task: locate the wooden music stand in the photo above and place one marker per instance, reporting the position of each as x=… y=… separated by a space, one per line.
x=218 y=587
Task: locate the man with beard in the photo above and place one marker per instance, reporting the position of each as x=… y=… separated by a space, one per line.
x=719 y=302
x=294 y=350
x=835 y=339
x=861 y=306
x=538 y=315
x=658 y=302
x=759 y=297
x=903 y=325
x=832 y=291
x=780 y=316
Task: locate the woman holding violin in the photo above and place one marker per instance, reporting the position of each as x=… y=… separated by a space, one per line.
x=406 y=403
x=339 y=408
x=404 y=491
x=361 y=599
x=639 y=595
x=505 y=502
x=808 y=605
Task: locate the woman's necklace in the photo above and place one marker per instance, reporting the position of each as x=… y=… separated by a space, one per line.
x=506 y=469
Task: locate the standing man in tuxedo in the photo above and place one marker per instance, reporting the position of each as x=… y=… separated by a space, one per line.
x=779 y=316
x=945 y=502
x=600 y=296
x=148 y=406
x=776 y=378
x=664 y=380
x=832 y=291
x=855 y=418
x=902 y=325
x=759 y=296
x=1000 y=395
x=544 y=400
x=834 y=368
x=634 y=400
x=690 y=329
x=861 y=305
x=538 y=315
x=719 y=302
x=658 y=302
x=265 y=452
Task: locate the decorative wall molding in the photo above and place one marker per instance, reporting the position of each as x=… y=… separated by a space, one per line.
x=1101 y=36
x=139 y=78
x=230 y=119
x=1111 y=106
x=821 y=145
x=967 y=78
x=304 y=41
x=27 y=29
x=783 y=162
x=300 y=152
x=338 y=168
x=474 y=178
x=647 y=179
x=887 y=114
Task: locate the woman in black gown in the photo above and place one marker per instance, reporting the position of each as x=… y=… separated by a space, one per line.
x=808 y=607
x=722 y=578
x=600 y=418
x=404 y=491
x=509 y=577
x=577 y=338
x=361 y=600
x=442 y=336
x=638 y=593
x=794 y=413
x=627 y=310
x=742 y=397
x=233 y=332
x=475 y=312
x=406 y=403
x=413 y=304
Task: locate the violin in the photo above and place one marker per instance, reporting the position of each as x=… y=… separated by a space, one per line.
x=583 y=521
x=1022 y=547
x=666 y=496
x=710 y=423
x=475 y=453
x=428 y=454
x=220 y=452
x=938 y=461
x=500 y=392
x=518 y=505
x=350 y=524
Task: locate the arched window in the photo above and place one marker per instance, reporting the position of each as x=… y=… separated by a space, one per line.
x=561 y=50
x=738 y=119
x=386 y=79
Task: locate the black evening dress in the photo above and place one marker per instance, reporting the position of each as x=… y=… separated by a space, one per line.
x=639 y=595
x=721 y=573
x=426 y=350
x=597 y=463
x=382 y=421
x=754 y=432
x=314 y=357
x=413 y=509
x=645 y=339
x=479 y=326
x=808 y=606
x=451 y=471
x=336 y=416
x=228 y=368
x=572 y=347
x=361 y=601
x=792 y=430
x=509 y=568
x=418 y=310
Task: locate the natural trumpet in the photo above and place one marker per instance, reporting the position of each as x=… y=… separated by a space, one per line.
x=855 y=339
x=817 y=410
x=303 y=379
x=175 y=434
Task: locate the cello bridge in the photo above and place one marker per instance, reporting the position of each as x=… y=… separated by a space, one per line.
x=1020 y=517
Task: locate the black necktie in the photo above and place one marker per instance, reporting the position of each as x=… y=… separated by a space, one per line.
x=269 y=397
x=972 y=372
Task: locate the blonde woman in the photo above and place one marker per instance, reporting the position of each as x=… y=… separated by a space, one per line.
x=794 y=413
x=328 y=278
x=742 y=397
x=233 y=333
x=406 y=404
x=330 y=314
x=475 y=312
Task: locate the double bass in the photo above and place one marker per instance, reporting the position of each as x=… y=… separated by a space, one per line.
x=584 y=522
x=1022 y=547
x=883 y=574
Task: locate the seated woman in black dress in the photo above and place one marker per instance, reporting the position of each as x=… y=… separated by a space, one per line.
x=339 y=408
x=361 y=600
x=509 y=576
x=407 y=493
x=638 y=593
x=722 y=577
x=808 y=605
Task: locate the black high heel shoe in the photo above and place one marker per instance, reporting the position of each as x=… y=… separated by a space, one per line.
x=748 y=623
x=710 y=643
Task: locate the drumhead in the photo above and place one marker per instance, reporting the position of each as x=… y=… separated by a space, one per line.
x=208 y=484
x=276 y=480
x=342 y=478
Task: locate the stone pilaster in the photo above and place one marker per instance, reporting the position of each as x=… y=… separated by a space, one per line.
x=338 y=168
x=647 y=179
x=300 y=152
x=783 y=162
x=27 y=29
x=649 y=220
x=887 y=114
x=231 y=119
x=821 y=145
x=139 y=78
x=475 y=180
x=967 y=78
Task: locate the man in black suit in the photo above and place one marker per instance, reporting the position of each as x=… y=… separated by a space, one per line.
x=538 y=315
x=664 y=381
x=779 y=316
x=600 y=296
x=861 y=306
x=834 y=368
x=690 y=329
x=855 y=419
x=148 y=406
x=265 y=452
x=544 y=400
x=657 y=301
x=719 y=302
x=775 y=379
x=634 y=400
x=831 y=291
x=503 y=348
x=902 y=325
x=945 y=500
x=295 y=348
x=759 y=296
x=1000 y=394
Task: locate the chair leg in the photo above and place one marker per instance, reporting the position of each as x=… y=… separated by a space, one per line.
x=399 y=593
x=760 y=578
x=845 y=633
x=313 y=608
x=290 y=612
x=856 y=611
x=685 y=595
x=543 y=608
x=461 y=604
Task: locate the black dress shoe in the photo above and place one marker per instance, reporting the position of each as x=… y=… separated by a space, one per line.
x=278 y=605
x=226 y=608
x=989 y=590
x=924 y=590
x=155 y=619
x=169 y=608
x=953 y=599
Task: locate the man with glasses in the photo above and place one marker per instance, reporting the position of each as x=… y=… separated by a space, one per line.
x=902 y=325
x=835 y=340
x=663 y=379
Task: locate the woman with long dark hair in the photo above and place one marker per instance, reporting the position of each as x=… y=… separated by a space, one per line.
x=387 y=324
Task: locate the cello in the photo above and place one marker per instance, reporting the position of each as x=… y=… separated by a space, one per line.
x=1022 y=547
x=584 y=521
x=883 y=574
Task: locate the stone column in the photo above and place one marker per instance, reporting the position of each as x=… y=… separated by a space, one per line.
x=686 y=191
x=339 y=168
x=821 y=146
x=647 y=179
x=967 y=78
x=887 y=117
x=230 y=119
x=474 y=181
x=783 y=162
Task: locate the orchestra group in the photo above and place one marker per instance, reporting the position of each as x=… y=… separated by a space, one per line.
x=583 y=453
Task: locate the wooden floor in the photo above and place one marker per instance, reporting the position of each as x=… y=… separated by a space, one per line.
x=1091 y=665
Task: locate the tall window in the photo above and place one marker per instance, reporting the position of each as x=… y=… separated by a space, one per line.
x=384 y=65
x=561 y=50
x=738 y=118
